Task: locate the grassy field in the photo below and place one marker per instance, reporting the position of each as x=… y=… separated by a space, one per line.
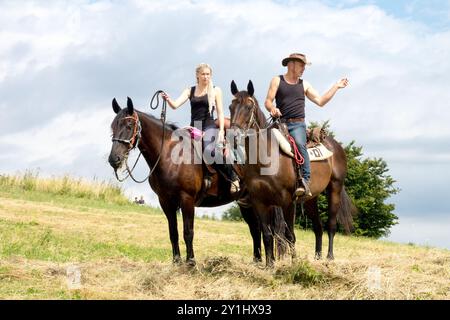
x=49 y=227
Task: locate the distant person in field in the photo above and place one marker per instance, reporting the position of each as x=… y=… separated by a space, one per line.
x=289 y=91
x=205 y=98
x=136 y=200
x=141 y=200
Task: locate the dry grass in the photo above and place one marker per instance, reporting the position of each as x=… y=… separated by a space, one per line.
x=127 y=255
x=65 y=185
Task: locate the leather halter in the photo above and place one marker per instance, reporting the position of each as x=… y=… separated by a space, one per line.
x=136 y=136
x=253 y=119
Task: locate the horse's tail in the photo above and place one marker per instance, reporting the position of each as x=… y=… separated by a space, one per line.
x=347 y=210
x=279 y=230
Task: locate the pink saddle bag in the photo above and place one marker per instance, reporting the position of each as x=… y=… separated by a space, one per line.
x=195 y=133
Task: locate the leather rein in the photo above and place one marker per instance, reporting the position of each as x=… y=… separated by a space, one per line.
x=136 y=137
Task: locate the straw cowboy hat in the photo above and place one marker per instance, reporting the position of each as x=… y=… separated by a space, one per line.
x=295 y=57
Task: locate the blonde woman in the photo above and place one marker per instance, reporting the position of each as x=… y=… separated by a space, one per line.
x=205 y=98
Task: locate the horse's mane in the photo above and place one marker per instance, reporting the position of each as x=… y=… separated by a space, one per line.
x=169 y=125
x=261 y=118
x=142 y=115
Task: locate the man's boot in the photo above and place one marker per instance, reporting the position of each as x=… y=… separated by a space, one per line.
x=303 y=189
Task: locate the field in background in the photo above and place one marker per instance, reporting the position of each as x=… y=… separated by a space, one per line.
x=63 y=238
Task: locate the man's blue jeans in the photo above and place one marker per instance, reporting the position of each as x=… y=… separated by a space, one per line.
x=298 y=131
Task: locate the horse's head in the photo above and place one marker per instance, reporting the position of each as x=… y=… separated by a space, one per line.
x=126 y=131
x=244 y=109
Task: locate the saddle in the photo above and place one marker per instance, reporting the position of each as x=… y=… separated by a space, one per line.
x=211 y=181
x=316 y=150
x=315 y=136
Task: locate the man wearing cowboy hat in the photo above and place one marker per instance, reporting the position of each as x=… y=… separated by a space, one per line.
x=289 y=92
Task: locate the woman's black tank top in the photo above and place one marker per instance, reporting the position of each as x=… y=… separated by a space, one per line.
x=200 y=110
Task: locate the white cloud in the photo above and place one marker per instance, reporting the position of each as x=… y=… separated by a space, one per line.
x=60 y=140
x=61 y=63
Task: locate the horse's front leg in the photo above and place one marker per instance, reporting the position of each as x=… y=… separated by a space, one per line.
x=289 y=217
x=170 y=210
x=188 y=211
x=312 y=212
x=255 y=231
x=263 y=213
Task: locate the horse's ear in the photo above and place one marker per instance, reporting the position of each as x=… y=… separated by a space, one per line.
x=130 y=106
x=250 y=88
x=116 y=106
x=234 y=88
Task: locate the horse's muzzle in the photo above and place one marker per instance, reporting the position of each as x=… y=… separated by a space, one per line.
x=115 y=161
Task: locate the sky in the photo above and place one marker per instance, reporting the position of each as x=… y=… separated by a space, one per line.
x=62 y=62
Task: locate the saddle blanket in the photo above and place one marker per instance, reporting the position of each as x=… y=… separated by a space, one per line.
x=319 y=152
x=316 y=153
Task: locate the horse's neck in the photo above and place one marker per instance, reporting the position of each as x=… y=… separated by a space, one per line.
x=260 y=119
x=258 y=145
x=151 y=135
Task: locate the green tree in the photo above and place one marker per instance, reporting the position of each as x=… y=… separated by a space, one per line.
x=369 y=186
x=232 y=214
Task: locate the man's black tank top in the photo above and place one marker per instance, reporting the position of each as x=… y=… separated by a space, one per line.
x=290 y=99
x=200 y=110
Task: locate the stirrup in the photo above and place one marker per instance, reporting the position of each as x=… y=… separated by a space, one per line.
x=300 y=191
x=303 y=190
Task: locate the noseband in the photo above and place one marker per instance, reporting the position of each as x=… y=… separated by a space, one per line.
x=134 y=140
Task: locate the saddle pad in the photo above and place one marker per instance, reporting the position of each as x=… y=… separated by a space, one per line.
x=317 y=153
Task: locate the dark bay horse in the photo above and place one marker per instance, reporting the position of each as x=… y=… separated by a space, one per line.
x=178 y=186
x=278 y=189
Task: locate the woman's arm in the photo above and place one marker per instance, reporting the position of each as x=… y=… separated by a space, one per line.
x=220 y=115
x=179 y=101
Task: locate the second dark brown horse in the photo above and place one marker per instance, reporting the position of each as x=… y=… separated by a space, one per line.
x=277 y=189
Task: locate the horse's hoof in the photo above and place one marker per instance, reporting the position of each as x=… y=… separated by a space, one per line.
x=293 y=257
x=257 y=260
x=176 y=260
x=191 y=262
x=318 y=256
x=330 y=257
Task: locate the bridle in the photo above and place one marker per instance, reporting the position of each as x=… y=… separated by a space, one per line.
x=252 y=121
x=135 y=137
x=134 y=140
